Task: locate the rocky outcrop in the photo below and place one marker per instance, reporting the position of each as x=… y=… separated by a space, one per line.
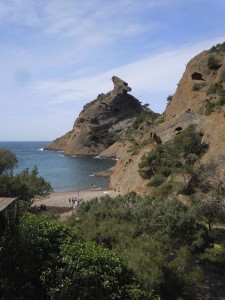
x=201 y=85
x=101 y=122
x=199 y=100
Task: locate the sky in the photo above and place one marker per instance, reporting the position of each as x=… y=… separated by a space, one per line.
x=58 y=55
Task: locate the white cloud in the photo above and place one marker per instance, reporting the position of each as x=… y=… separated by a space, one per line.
x=58 y=55
x=158 y=73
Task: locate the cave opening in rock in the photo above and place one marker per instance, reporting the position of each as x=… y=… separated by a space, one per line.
x=197 y=76
x=178 y=129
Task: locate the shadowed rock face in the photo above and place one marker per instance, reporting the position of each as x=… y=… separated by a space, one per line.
x=120 y=86
x=100 y=123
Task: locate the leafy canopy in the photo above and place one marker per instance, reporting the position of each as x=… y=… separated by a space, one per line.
x=26 y=185
x=176 y=156
x=8 y=161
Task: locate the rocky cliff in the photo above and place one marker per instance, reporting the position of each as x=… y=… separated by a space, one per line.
x=101 y=122
x=199 y=99
x=201 y=88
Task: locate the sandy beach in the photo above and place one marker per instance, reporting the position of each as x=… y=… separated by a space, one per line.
x=61 y=199
x=58 y=202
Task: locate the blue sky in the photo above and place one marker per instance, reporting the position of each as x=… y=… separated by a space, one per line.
x=57 y=55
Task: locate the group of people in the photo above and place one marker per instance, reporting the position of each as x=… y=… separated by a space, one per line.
x=74 y=202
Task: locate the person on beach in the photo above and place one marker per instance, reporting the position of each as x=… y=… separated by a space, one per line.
x=76 y=204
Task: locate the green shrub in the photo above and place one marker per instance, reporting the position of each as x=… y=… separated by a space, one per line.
x=215 y=255
x=8 y=162
x=218 y=48
x=102 y=137
x=172 y=156
x=145 y=115
x=216 y=88
x=157 y=180
x=169 y=99
x=48 y=260
x=198 y=86
x=88 y=271
x=222 y=76
x=221 y=101
x=209 y=108
x=134 y=148
x=146 y=142
x=213 y=63
x=148 y=234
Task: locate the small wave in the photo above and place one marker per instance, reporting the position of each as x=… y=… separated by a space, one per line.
x=61 y=155
x=41 y=149
x=92 y=175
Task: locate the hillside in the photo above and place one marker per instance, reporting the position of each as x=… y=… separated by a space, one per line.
x=117 y=125
x=199 y=99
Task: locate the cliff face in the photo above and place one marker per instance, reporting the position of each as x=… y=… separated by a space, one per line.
x=201 y=85
x=100 y=123
x=199 y=100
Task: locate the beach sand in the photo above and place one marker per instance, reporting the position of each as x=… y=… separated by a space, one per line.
x=58 y=202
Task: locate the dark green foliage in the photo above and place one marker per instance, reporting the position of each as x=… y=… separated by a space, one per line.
x=26 y=185
x=198 y=86
x=215 y=254
x=222 y=76
x=209 y=108
x=102 y=137
x=169 y=99
x=216 y=88
x=145 y=115
x=135 y=147
x=157 y=180
x=27 y=252
x=218 y=48
x=175 y=157
x=90 y=272
x=211 y=209
x=45 y=259
x=221 y=101
x=213 y=63
x=8 y=161
x=147 y=233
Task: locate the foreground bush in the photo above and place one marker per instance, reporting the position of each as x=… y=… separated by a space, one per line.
x=155 y=238
x=45 y=259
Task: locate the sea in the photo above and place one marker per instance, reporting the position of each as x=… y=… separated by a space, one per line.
x=65 y=173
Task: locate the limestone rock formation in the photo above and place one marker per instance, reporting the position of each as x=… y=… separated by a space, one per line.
x=199 y=100
x=201 y=86
x=100 y=123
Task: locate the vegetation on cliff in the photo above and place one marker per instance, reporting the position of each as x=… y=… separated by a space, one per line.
x=179 y=156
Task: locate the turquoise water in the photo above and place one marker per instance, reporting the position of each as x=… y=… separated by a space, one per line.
x=65 y=173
